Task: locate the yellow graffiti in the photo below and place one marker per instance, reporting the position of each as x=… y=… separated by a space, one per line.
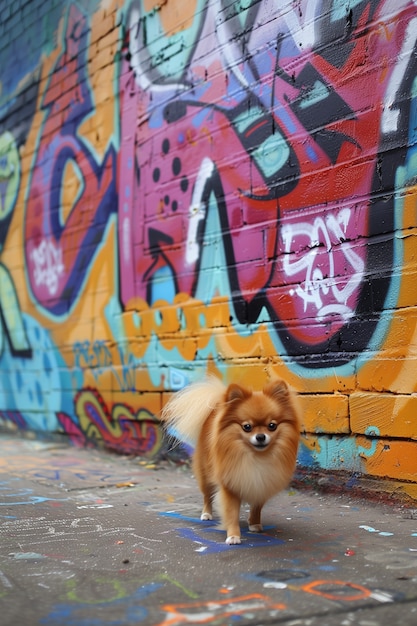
x=137 y=431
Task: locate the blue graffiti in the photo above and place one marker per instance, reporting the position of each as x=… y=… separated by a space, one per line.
x=35 y=389
x=208 y=545
x=13 y=497
x=22 y=496
x=85 y=614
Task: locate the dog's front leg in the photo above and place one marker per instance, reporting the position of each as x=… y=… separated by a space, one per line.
x=230 y=509
x=207 y=512
x=254 y=520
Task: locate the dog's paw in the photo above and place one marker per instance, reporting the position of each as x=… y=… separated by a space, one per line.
x=233 y=540
x=205 y=517
x=256 y=528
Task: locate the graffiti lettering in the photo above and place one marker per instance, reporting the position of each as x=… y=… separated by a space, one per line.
x=95 y=355
x=119 y=428
x=47 y=266
x=316 y=279
x=59 y=240
x=292 y=124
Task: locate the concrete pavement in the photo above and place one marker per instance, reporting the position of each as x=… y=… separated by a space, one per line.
x=90 y=538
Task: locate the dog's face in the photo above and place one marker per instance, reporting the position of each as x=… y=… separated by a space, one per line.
x=260 y=419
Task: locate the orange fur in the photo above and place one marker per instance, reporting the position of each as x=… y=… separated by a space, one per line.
x=240 y=466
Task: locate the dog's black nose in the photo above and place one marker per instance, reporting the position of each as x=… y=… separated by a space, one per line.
x=260 y=438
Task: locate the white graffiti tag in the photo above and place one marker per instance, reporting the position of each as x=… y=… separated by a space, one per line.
x=324 y=268
x=197 y=211
x=48 y=266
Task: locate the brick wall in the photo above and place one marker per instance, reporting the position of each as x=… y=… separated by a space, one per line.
x=211 y=186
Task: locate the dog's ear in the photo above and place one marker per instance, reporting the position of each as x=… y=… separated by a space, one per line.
x=277 y=389
x=235 y=392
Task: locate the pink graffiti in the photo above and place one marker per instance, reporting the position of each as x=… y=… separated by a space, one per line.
x=269 y=133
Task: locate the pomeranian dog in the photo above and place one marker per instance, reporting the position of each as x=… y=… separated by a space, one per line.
x=245 y=445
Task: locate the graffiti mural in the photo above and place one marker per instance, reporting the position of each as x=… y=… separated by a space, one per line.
x=295 y=227
x=122 y=428
x=70 y=195
x=11 y=323
x=225 y=189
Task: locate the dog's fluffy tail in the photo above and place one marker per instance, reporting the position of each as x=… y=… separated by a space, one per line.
x=189 y=408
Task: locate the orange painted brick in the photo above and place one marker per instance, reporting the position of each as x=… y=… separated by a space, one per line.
x=384 y=414
x=395 y=373
x=325 y=413
x=393 y=459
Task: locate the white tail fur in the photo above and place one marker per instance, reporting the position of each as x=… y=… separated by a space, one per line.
x=189 y=408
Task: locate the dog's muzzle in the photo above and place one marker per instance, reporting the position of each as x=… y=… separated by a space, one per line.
x=260 y=441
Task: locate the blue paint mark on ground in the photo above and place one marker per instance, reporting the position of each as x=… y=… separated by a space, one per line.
x=86 y=614
x=210 y=540
x=207 y=545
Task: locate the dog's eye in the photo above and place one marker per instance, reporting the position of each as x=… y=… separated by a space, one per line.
x=247 y=428
x=272 y=426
